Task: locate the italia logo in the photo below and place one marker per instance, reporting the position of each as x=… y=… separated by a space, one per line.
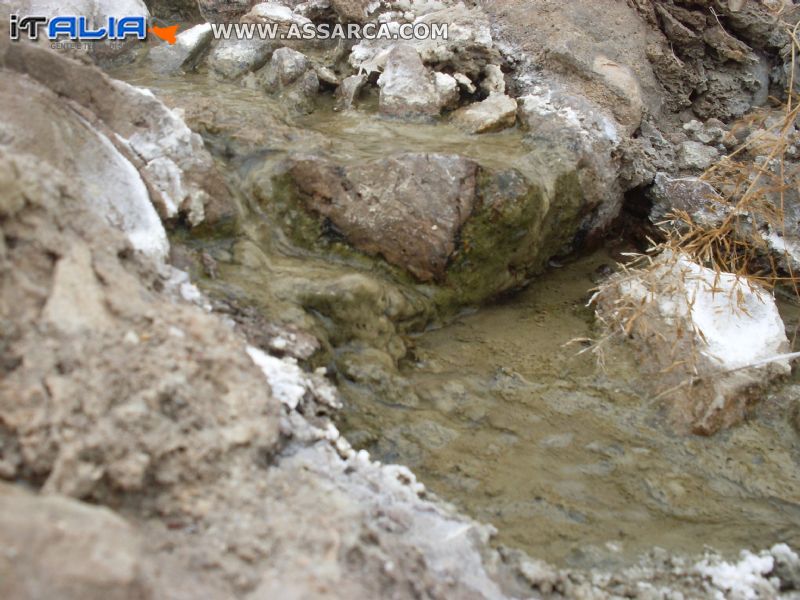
x=81 y=29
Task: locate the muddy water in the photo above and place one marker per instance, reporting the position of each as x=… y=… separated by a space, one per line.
x=565 y=458
x=494 y=411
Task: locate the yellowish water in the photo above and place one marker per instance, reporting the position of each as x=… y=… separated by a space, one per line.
x=494 y=411
x=567 y=460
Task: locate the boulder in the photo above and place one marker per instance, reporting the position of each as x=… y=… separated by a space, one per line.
x=112 y=184
x=407 y=87
x=179 y=174
x=495 y=113
x=185 y=53
x=474 y=230
x=708 y=341
x=407 y=208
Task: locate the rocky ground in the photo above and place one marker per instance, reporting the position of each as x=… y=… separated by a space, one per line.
x=155 y=442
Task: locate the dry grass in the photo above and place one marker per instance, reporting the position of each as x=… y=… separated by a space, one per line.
x=754 y=191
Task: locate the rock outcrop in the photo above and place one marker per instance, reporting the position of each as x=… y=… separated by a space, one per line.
x=152 y=145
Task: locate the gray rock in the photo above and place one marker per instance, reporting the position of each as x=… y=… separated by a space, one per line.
x=348 y=91
x=326 y=75
x=495 y=113
x=55 y=547
x=286 y=67
x=179 y=173
x=493 y=80
x=187 y=51
x=575 y=127
x=234 y=58
x=292 y=77
x=465 y=83
x=407 y=87
x=447 y=88
x=686 y=194
x=696 y=156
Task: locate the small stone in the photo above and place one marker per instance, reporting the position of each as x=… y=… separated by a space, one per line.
x=465 y=83
x=493 y=82
x=407 y=87
x=447 y=87
x=326 y=75
x=185 y=53
x=348 y=91
x=496 y=113
x=696 y=156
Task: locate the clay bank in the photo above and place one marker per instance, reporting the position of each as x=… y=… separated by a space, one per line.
x=326 y=318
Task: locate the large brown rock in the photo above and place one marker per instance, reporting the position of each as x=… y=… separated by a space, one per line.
x=407 y=208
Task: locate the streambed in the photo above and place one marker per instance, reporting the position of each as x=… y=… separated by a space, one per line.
x=493 y=409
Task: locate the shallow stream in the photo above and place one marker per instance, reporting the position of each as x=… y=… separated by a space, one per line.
x=495 y=410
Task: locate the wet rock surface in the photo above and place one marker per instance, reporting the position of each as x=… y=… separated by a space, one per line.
x=409 y=208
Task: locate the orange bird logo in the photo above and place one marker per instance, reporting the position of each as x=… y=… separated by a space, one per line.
x=168 y=34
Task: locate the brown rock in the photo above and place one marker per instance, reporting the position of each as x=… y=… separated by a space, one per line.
x=408 y=208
